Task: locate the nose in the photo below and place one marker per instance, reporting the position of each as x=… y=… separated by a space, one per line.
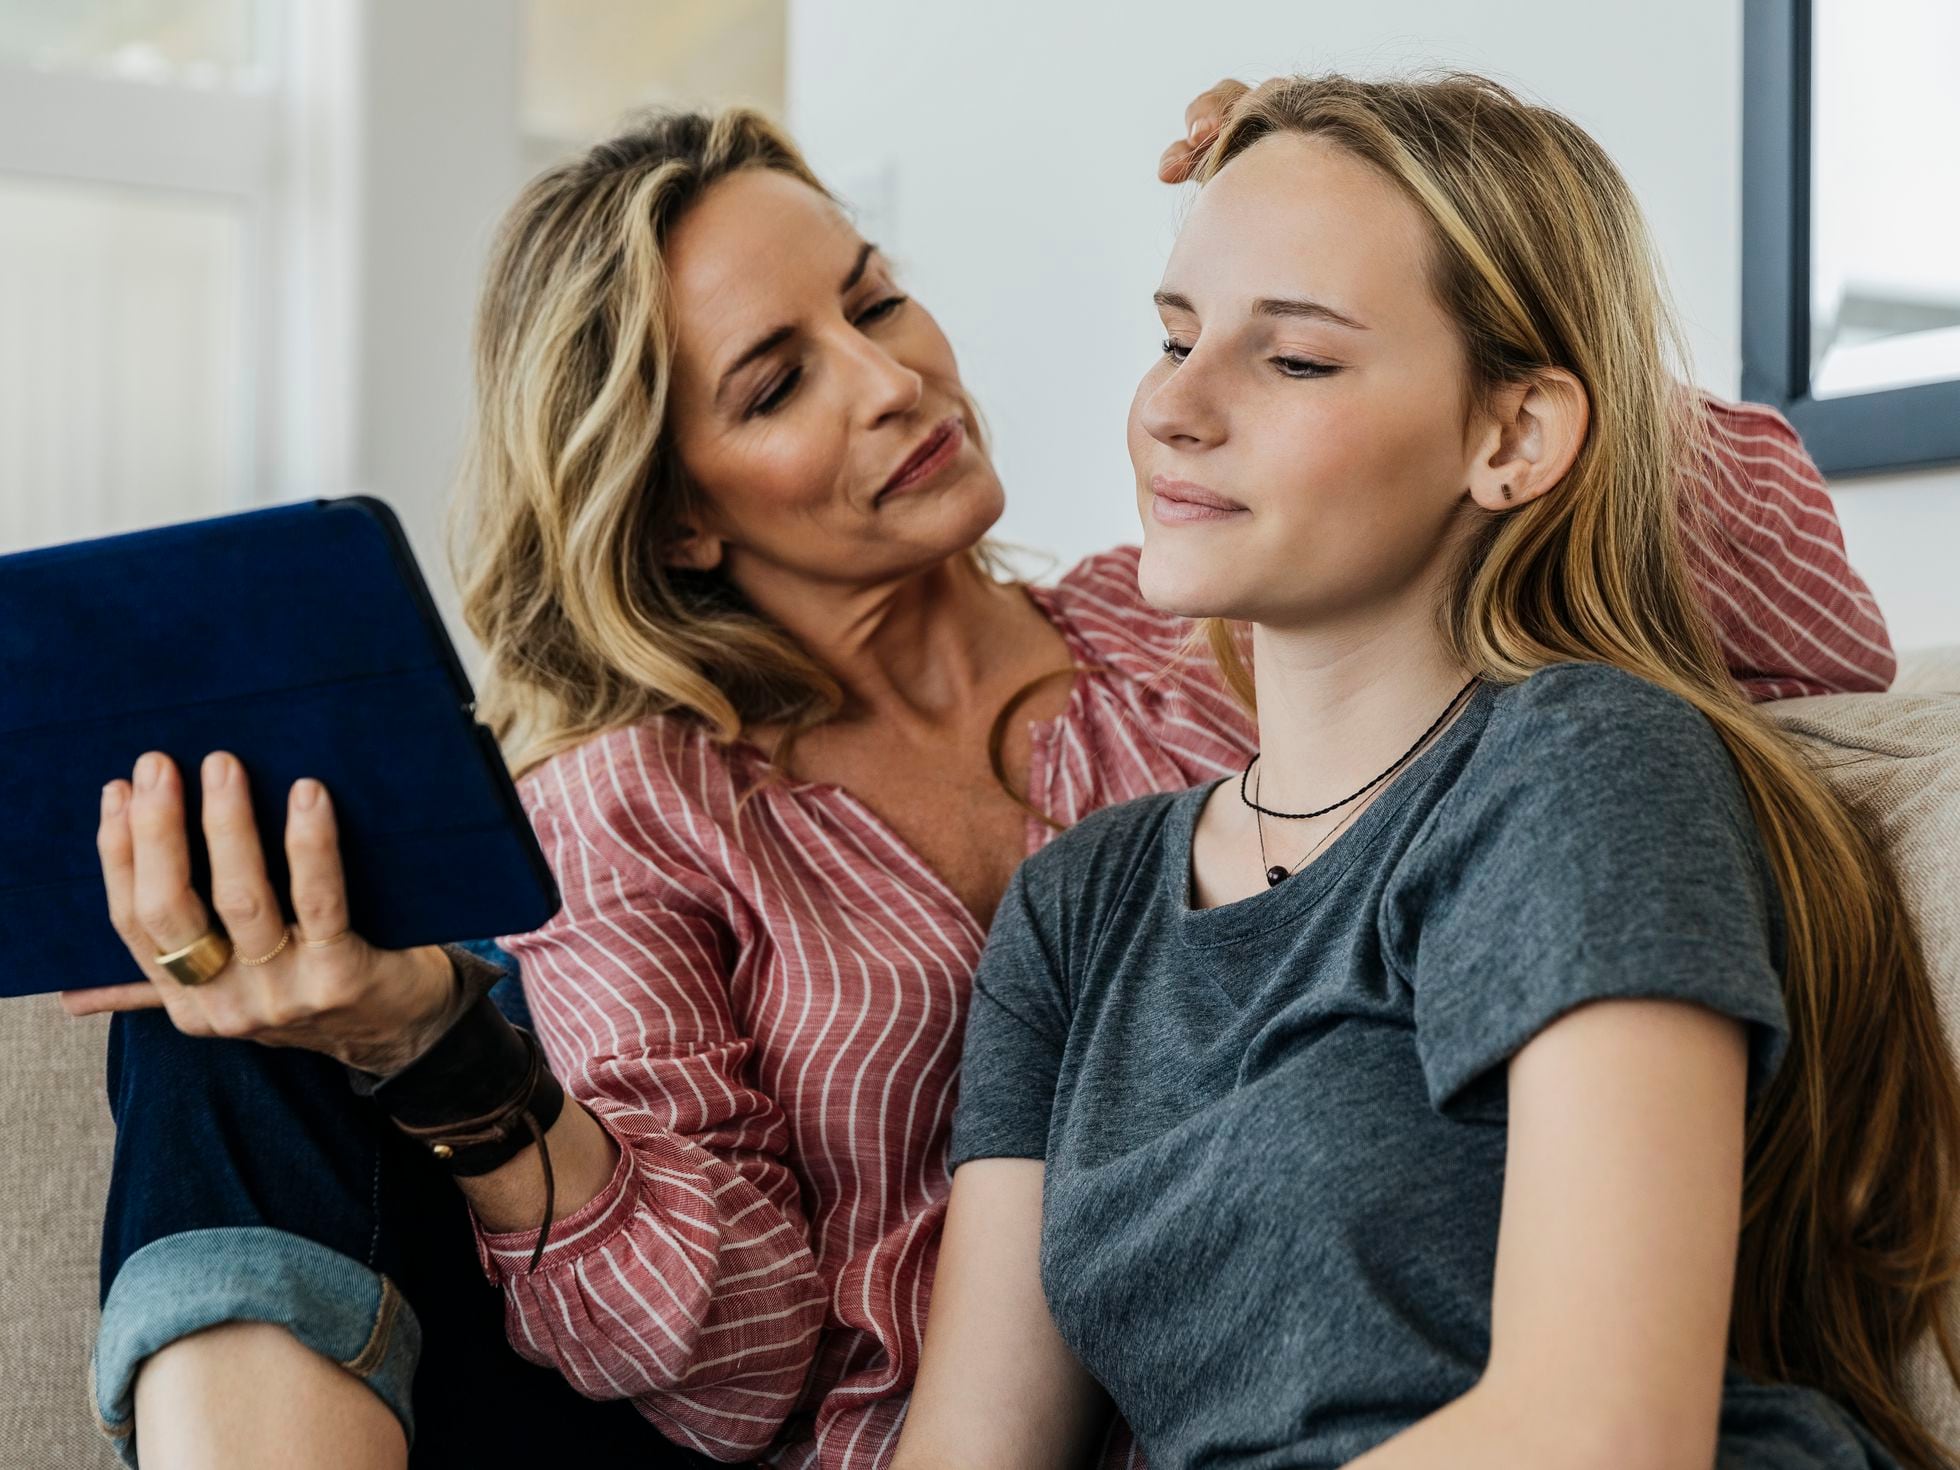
x=885 y=387
x=1184 y=411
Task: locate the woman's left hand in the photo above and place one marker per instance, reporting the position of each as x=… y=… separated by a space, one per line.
x=317 y=985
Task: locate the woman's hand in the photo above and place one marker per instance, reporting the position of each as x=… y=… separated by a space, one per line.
x=1202 y=120
x=326 y=990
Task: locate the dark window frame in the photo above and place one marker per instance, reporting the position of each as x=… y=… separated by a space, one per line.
x=1865 y=433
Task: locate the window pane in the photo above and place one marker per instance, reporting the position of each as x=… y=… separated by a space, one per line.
x=140 y=37
x=586 y=62
x=122 y=390
x=1885 y=279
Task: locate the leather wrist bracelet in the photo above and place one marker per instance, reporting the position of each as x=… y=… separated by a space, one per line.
x=467 y=1096
x=477 y=1098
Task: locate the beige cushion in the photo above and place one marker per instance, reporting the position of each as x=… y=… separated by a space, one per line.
x=1896 y=758
x=55 y=1144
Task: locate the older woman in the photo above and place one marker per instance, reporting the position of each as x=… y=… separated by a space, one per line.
x=785 y=731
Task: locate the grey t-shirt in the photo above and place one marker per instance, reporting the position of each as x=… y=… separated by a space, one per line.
x=1275 y=1130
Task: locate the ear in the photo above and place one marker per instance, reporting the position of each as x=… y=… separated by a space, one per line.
x=694 y=550
x=1528 y=443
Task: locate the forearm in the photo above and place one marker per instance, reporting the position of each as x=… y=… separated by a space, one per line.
x=470 y=1066
x=674 y=1274
x=583 y=1160
x=998 y=1388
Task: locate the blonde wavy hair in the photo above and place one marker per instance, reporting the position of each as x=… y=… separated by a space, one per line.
x=571 y=495
x=1540 y=256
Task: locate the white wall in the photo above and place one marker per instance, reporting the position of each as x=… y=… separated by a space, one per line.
x=456 y=103
x=1009 y=154
x=440 y=161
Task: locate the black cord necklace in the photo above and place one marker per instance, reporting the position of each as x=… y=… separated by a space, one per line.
x=1276 y=875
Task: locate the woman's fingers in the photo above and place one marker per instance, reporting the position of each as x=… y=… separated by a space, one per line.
x=256 y=991
x=146 y=865
x=1207 y=110
x=142 y=995
x=313 y=855
x=1175 y=163
x=116 y=850
x=1202 y=120
x=146 y=868
x=115 y=846
x=167 y=910
x=240 y=890
x=117 y=854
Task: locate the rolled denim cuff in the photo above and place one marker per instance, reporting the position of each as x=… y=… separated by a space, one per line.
x=182 y=1283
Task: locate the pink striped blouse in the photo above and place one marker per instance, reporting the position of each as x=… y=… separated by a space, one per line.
x=764 y=1009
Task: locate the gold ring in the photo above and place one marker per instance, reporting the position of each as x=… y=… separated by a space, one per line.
x=285 y=936
x=331 y=939
x=200 y=960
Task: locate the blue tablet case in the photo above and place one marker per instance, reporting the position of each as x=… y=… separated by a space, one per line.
x=301 y=638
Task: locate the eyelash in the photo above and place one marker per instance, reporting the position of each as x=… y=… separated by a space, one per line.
x=774 y=398
x=1304 y=368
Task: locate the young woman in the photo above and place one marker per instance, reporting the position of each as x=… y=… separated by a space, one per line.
x=784 y=734
x=1396 y=1101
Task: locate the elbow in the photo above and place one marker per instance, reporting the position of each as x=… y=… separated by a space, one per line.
x=782 y=1341
x=735 y=1410
x=730 y=1385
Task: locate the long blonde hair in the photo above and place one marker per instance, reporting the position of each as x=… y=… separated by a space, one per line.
x=1541 y=257
x=571 y=495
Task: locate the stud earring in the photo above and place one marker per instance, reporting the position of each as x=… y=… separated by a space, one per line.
x=1507 y=491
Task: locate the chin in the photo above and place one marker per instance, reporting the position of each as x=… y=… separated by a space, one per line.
x=981 y=501
x=965 y=513
x=1188 y=585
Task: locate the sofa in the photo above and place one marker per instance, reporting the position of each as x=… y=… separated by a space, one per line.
x=1894 y=755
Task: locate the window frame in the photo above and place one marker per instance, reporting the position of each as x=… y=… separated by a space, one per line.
x=1865 y=433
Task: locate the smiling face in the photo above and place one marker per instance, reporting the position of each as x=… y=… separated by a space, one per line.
x=816 y=408
x=1301 y=449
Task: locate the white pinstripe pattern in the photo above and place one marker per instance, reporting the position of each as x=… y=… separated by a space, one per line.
x=1794 y=618
x=766 y=1017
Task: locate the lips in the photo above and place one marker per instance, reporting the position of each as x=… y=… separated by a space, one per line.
x=934 y=450
x=1182 y=500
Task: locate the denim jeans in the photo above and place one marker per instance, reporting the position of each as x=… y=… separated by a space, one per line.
x=251 y=1183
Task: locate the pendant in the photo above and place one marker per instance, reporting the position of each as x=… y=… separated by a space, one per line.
x=1275 y=876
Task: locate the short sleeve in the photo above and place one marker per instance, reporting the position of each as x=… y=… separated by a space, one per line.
x=1016 y=1032
x=1598 y=845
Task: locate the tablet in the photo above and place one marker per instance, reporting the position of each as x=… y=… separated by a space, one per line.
x=302 y=638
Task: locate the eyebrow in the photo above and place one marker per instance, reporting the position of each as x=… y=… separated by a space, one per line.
x=857 y=269
x=1272 y=306
x=763 y=346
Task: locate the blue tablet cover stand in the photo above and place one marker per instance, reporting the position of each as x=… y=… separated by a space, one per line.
x=302 y=639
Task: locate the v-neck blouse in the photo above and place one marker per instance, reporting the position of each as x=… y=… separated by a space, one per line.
x=765 y=1011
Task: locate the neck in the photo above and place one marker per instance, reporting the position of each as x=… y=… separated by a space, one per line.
x=1338 y=704
x=921 y=651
